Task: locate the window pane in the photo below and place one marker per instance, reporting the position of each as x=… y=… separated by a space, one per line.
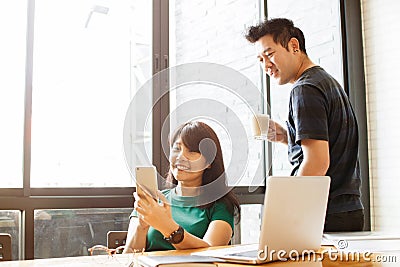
x=320 y=23
x=12 y=89
x=10 y=224
x=66 y=233
x=212 y=31
x=89 y=61
x=250 y=223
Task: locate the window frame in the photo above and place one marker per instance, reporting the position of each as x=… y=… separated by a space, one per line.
x=354 y=85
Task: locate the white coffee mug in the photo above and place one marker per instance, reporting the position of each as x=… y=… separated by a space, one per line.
x=260 y=124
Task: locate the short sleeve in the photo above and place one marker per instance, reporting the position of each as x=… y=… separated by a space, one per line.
x=310 y=112
x=219 y=211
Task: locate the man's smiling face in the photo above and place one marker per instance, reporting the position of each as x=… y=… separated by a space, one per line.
x=276 y=60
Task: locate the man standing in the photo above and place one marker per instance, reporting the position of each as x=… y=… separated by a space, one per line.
x=322 y=131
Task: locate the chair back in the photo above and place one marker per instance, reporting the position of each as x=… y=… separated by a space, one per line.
x=116 y=238
x=5 y=247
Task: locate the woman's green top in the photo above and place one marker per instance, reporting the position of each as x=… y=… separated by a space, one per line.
x=193 y=219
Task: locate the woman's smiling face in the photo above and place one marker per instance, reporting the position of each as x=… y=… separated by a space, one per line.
x=187 y=166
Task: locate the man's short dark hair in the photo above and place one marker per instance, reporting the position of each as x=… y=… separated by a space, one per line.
x=281 y=30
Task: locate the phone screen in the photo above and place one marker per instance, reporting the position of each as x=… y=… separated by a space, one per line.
x=146 y=178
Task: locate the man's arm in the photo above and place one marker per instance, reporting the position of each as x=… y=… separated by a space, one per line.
x=316 y=158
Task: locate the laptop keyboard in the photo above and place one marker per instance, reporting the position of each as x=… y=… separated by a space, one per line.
x=248 y=254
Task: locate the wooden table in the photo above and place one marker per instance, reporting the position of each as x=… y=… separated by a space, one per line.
x=387 y=259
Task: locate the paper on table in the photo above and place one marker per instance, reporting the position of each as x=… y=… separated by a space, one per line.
x=367 y=235
x=184 y=261
x=363 y=241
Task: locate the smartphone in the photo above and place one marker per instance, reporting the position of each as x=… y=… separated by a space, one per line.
x=146 y=177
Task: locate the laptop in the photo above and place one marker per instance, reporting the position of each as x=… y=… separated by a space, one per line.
x=292 y=221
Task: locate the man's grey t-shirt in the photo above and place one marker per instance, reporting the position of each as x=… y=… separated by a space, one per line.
x=320 y=109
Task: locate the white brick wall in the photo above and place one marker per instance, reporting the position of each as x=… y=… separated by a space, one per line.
x=381 y=54
x=213 y=31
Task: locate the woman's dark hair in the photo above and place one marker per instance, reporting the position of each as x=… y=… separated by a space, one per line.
x=194 y=136
x=281 y=30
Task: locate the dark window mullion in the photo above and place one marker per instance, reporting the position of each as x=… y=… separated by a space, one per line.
x=27 y=228
x=164 y=84
x=160 y=83
x=83 y=191
x=156 y=61
x=354 y=83
x=28 y=97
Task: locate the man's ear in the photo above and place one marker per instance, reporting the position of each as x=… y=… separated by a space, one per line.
x=294 y=45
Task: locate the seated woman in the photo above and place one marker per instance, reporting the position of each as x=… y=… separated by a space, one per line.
x=199 y=210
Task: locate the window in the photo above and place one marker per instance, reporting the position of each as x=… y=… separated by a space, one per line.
x=67 y=233
x=10 y=223
x=250 y=223
x=12 y=69
x=89 y=61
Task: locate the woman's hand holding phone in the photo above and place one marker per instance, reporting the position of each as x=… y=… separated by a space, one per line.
x=146 y=180
x=155 y=213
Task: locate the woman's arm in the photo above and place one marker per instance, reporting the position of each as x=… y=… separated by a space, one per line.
x=137 y=231
x=218 y=234
x=136 y=238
